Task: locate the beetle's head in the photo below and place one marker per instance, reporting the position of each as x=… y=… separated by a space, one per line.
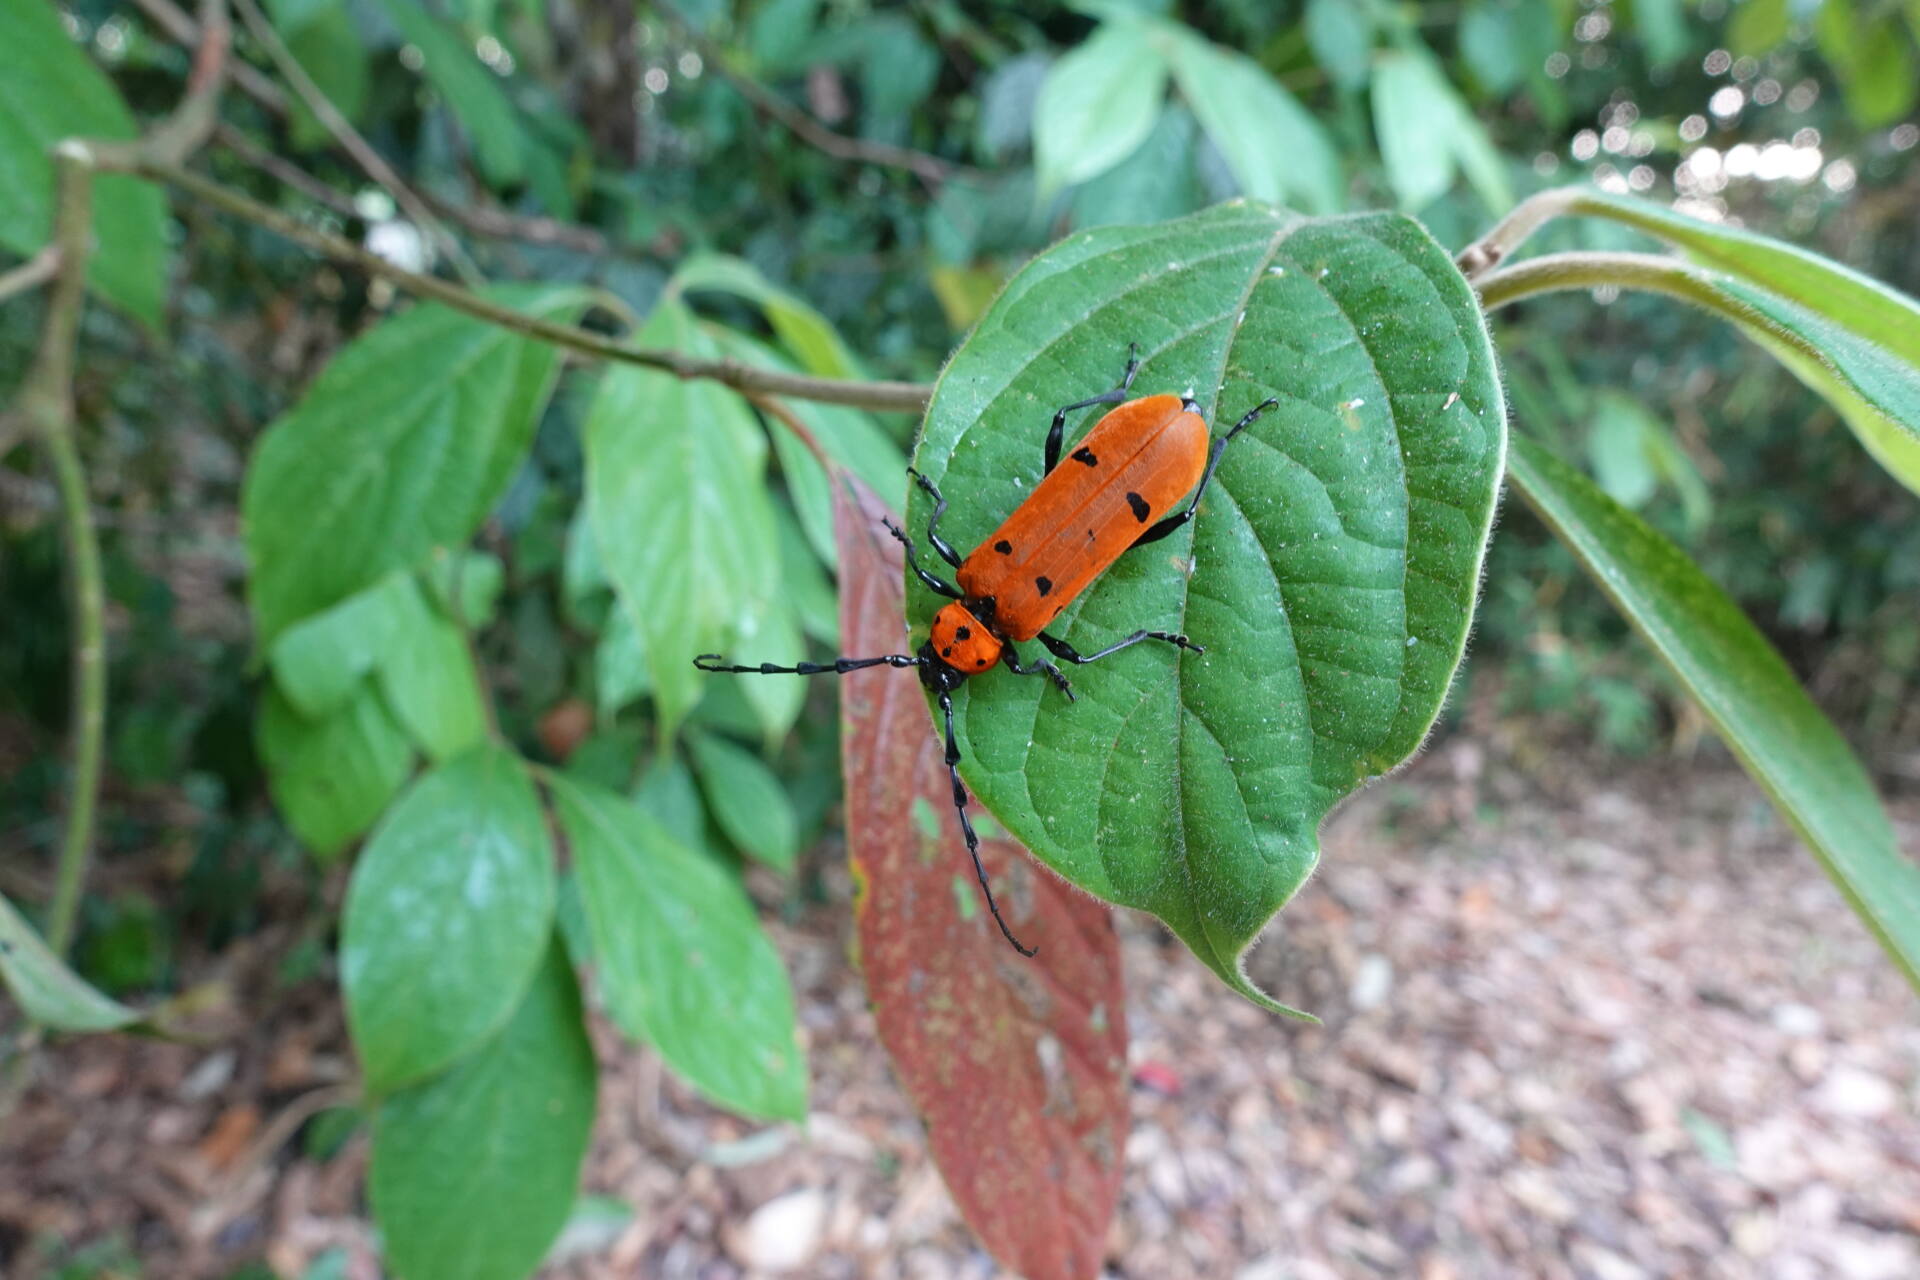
x=936 y=672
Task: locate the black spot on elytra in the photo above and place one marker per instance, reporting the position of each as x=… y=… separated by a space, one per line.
x=1004 y=547
x=1140 y=508
x=947 y=652
x=1084 y=454
x=1043 y=585
x=979 y=662
x=962 y=633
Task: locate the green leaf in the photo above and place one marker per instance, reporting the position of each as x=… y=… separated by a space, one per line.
x=1757 y=26
x=746 y=800
x=808 y=335
x=328 y=48
x=1008 y=99
x=401 y=446
x=447 y=915
x=48 y=992
x=679 y=511
x=779 y=33
x=473 y=91
x=621 y=676
x=465 y=585
x=332 y=775
x=1333 y=567
x=50 y=90
x=474 y=1172
x=1662 y=28
x=1850 y=338
x=851 y=437
x=318 y=663
x=1340 y=33
x=1427 y=134
x=683 y=964
x=1276 y=149
x=1098 y=103
x=668 y=795
x=1872 y=60
x=1158 y=181
x=1745 y=688
x=1857 y=302
x=429 y=679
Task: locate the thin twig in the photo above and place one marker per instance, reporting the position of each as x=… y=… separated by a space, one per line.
x=286 y=172
x=182 y=29
x=930 y=168
x=903 y=397
x=343 y=132
x=46 y=402
x=31 y=274
x=481 y=219
x=775 y=407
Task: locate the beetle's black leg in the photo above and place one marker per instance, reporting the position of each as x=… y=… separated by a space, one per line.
x=838 y=667
x=933 y=584
x=1038 y=667
x=966 y=825
x=1178 y=518
x=940 y=544
x=1115 y=396
x=1067 y=653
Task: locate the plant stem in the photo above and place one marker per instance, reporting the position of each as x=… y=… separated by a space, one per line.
x=351 y=142
x=1527 y=217
x=1653 y=272
x=31 y=274
x=903 y=397
x=89 y=685
x=931 y=169
x=46 y=403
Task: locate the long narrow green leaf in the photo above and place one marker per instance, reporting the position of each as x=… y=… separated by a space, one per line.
x=1857 y=302
x=49 y=992
x=1745 y=687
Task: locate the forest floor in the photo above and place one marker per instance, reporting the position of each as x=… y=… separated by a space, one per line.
x=1598 y=1023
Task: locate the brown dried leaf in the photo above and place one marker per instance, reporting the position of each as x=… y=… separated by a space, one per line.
x=1017 y=1066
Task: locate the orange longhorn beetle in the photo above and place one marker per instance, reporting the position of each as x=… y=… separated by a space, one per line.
x=1137 y=462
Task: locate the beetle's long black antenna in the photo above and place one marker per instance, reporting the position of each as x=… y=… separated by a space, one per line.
x=932 y=583
x=838 y=667
x=966 y=826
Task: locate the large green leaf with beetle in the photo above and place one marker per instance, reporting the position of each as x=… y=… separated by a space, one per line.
x=1330 y=575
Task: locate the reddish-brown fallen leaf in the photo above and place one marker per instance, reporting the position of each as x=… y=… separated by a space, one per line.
x=1017 y=1066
